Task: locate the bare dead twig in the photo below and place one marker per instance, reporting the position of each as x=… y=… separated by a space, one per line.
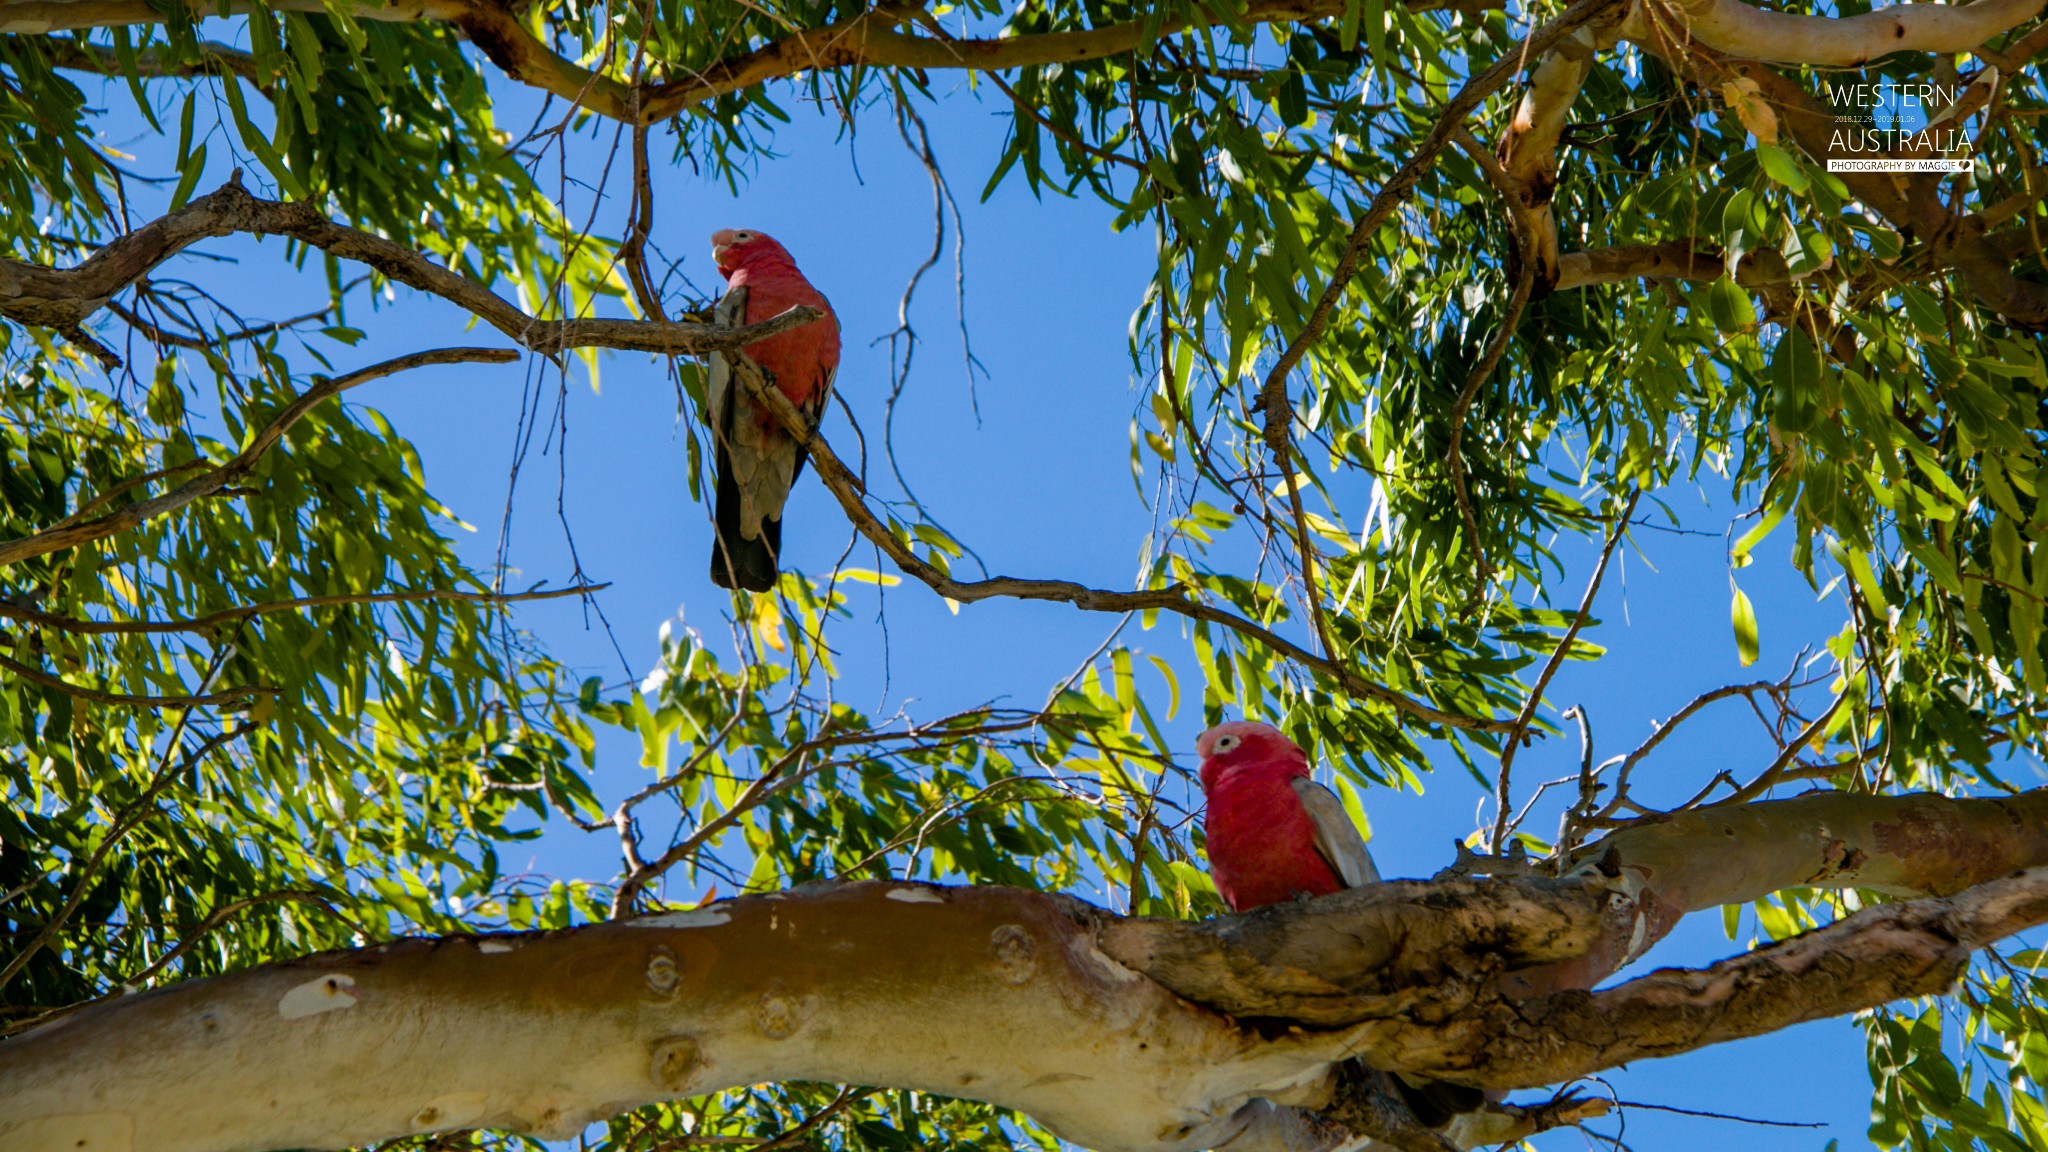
x=1628 y=763
x=1776 y=772
x=1550 y=667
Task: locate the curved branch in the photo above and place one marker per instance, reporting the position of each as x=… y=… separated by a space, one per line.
x=212 y=620
x=848 y=490
x=122 y=699
x=498 y=29
x=122 y=519
x=62 y=298
x=1742 y=29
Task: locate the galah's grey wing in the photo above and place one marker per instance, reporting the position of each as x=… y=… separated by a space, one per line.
x=742 y=555
x=1337 y=837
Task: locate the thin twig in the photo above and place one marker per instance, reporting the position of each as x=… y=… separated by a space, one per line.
x=56 y=540
x=126 y=819
x=12 y=611
x=1550 y=667
x=122 y=699
x=1776 y=771
x=1628 y=763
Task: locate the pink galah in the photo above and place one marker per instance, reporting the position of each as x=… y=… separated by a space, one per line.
x=1273 y=832
x=757 y=460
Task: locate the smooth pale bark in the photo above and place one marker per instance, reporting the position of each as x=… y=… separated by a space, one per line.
x=997 y=994
x=1123 y=1035
x=1746 y=30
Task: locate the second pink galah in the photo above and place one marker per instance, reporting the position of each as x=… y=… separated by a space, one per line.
x=1273 y=832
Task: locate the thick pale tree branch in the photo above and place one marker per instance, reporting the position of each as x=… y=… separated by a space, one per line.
x=1741 y=29
x=1528 y=148
x=1412 y=948
x=1119 y=1034
x=1888 y=952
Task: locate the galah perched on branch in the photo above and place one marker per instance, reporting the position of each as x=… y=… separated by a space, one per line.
x=757 y=460
x=1273 y=832
x=1274 y=835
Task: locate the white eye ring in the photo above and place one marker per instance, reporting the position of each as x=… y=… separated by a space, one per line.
x=1226 y=743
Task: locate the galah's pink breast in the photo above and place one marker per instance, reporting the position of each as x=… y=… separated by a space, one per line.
x=1262 y=843
x=801 y=360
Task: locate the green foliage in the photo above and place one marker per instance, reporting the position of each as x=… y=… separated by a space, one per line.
x=382 y=753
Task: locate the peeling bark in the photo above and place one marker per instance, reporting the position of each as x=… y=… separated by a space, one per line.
x=1529 y=147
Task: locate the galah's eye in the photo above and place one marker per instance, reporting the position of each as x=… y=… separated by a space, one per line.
x=1226 y=743
x=742 y=237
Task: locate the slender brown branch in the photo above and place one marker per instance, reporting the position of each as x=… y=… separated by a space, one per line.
x=1402 y=185
x=214 y=920
x=771 y=780
x=55 y=540
x=1628 y=763
x=63 y=298
x=212 y=60
x=212 y=620
x=1786 y=758
x=847 y=489
x=120 y=699
x=814 y=1121
x=158 y=334
x=100 y=501
x=633 y=250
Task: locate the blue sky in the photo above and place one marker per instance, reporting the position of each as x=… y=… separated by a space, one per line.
x=1039 y=483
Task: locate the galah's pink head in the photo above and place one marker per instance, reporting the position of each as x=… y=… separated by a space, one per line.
x=735 y=248
x=1248 y=744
